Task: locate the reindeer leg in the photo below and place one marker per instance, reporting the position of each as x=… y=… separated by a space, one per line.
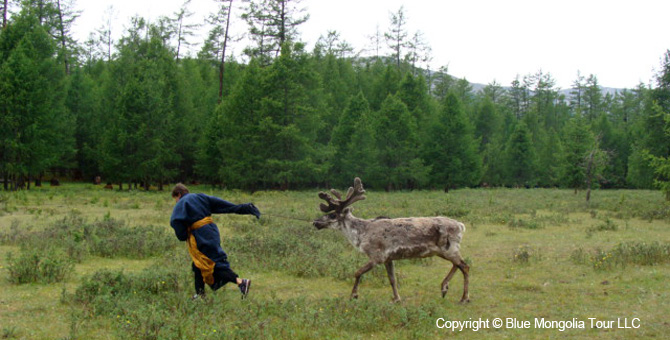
x=466 y=280
x=366 y=268
x=445 y=282
x=391 y=273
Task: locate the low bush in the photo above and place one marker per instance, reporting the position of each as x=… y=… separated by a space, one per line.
x=624 y=254
x=606 y=225
x=43 y=265
x=525 y=224
x=107 y=238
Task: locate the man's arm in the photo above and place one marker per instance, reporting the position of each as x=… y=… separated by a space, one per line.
x=177 y=223
x=220 y=206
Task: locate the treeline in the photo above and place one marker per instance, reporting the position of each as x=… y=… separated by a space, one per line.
x=140 y=110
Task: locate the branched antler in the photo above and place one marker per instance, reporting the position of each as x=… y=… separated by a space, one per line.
x=354 y=194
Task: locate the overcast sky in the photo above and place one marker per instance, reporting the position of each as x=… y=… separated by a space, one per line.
x=621 y=42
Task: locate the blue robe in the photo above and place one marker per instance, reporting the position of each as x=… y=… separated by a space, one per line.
x=194 y=207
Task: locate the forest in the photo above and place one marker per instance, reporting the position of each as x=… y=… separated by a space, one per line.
x=139 y=111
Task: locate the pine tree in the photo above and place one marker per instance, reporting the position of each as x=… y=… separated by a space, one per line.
x=345 y=163
x=37 y=130
x=578 y=141
x=289 y=120
x=140 y=144
x=396 y=142
x=521 y=159
x=83 y=100
x=451 y=149
x=271 y=24
x=487 y=123
x=230 y=149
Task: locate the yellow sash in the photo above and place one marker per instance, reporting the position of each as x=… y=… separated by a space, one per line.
x=204 y=263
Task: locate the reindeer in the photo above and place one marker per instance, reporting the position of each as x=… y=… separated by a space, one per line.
x=385 y=240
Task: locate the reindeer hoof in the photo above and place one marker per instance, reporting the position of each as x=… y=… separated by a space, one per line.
x=444 y=291
x=353 y=297
x=396 y=300
x=464 y=301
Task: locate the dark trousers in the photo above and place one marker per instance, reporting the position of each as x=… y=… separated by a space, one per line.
x=222 y=275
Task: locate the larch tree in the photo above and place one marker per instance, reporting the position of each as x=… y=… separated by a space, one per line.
x=182 y=29
x=521 y=158
x=271 y=24
x=217 y=42
x=37 y=130
x=451 y=149
x=397 y=37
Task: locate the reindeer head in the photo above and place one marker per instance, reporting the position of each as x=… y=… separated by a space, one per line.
x=338 y=209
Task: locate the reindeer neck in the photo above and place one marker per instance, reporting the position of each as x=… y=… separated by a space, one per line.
x=353 y=228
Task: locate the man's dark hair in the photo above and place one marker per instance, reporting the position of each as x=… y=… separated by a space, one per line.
x=179 y=189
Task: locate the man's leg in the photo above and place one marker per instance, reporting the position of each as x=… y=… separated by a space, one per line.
x=198 y=281
x=223 y=275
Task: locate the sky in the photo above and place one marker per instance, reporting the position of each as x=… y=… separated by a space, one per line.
x=621 y=42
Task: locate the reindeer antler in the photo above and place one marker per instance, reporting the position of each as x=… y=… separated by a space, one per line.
x=354 y=194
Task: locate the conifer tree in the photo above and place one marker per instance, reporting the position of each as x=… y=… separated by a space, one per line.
x=578 y=141
x=451 y=149
x=521 y=159
x=37 y=130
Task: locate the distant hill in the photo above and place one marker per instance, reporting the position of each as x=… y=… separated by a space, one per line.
x=476 y=87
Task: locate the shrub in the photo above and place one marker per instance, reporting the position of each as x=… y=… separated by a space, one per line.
x=107 y=238
x=623 y=254
x=526 y=224
x=525 y=254
x=39 y=265
x=607 y=225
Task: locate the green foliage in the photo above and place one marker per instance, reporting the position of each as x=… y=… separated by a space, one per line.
x=396 y=143
x=139 y=142
x=523 y=223
x=578 y=142
x=107 y=238
x=521 y=158
x=36 y=132
x=292 y=119
x=451 y=150
x=43 y=265
x=661 y=164
x=353 y=143
x=625 y=254
x=524 y=254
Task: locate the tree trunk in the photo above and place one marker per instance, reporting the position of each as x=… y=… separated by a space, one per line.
x=61 y=27
x=4 y=23
x=222 y=66
x=589 y=175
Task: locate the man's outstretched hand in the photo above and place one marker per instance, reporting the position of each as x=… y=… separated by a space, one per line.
x=254 y=211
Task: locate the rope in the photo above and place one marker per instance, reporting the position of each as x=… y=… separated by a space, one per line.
x=289 y=218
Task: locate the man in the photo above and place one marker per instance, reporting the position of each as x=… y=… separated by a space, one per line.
x=192 y=222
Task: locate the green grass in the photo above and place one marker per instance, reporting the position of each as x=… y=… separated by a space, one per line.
x=538 y=253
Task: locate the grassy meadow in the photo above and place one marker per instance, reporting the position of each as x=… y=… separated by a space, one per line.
x=81 y=262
